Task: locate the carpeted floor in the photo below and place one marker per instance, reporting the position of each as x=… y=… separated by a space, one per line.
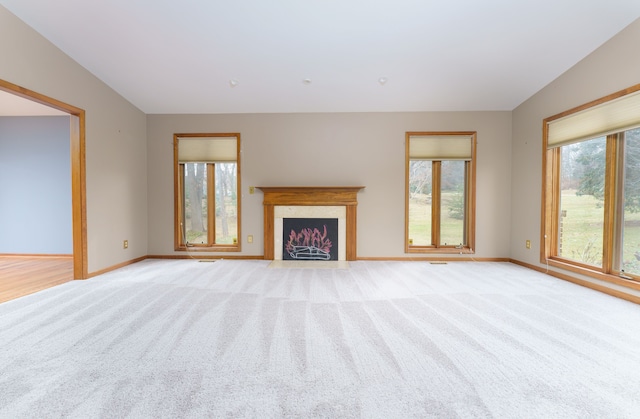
x=173 y=339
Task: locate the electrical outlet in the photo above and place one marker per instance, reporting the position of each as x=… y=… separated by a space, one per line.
x=252 y=190
x=125 y=244
x=528 y=244
x=250 y=239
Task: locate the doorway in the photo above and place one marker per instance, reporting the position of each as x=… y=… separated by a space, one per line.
x=78 y=185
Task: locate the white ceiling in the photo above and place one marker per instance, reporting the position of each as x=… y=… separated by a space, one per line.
x=438 y=55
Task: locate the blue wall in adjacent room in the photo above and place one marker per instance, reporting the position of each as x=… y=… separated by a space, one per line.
x=35 y=185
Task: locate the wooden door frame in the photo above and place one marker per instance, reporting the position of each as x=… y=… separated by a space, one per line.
x=78 y=182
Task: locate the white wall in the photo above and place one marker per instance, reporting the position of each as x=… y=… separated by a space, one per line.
x=115 y=140
x=612 y=67
x=342 y=149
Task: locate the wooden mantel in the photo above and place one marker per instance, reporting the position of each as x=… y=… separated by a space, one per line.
x=310 y=196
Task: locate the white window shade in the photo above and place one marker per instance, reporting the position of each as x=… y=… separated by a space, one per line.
x=606 y=118
x=440 y=147
x=207 y=149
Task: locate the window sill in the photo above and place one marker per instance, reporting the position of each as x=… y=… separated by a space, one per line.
x=218 y=248
x=593 y=273
x=440 y=250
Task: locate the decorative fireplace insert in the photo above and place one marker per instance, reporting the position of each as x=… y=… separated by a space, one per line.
x=310 y=239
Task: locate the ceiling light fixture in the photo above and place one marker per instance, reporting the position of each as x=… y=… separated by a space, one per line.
x=233 y=82
x=306 y=81
x=382 y=80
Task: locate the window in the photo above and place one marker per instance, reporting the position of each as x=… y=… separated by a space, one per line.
x=591 y=192
x=440 y=192
x=207 y=191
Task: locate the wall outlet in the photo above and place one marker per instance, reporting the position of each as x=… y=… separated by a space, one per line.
x=252 y=190
x=250 y=239
x=125 y=244
x=528 y=244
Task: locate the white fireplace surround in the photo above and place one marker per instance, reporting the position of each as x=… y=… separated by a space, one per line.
x=309 y=211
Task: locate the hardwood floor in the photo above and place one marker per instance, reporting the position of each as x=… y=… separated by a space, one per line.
x=23 y=275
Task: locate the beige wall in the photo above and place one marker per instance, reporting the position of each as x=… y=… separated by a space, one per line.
x=348 y=149
x=129 y=156
x=612 y=67
x=115 y=140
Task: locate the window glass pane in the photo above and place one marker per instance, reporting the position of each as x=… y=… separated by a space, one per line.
x=420 y=202
x=453 y=203
x=226 y=204
x=195 y=203
x=208 y=199
x=581 y=217
x=630 y=256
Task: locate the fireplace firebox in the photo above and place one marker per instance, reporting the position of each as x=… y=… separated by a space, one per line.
x=310 y=239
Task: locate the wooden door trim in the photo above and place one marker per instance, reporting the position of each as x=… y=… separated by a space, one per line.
x=78 y=171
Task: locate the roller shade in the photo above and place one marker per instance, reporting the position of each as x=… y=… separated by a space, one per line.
x=606 y=118
x=207 y=149
x=440 y=147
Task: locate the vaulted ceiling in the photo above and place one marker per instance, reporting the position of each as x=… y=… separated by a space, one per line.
x=241 y=56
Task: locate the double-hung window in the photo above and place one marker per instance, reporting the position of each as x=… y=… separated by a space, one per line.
x=591 y=191
x=440 y=192
x=207 y=191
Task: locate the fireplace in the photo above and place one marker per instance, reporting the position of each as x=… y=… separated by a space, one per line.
x=285 y=202
x=310 y=239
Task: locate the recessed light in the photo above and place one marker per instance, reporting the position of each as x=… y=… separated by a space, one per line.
x=233 y=82
x=382 y=80
x=306 y=81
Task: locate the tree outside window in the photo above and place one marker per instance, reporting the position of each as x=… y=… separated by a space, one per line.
x=440 y=192
x=207 y=197
x=591 y=191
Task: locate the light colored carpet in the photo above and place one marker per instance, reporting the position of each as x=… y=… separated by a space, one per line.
x=309 y=264
x=172 y=339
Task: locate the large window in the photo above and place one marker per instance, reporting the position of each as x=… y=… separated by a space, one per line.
x=207 y=191
x=591 y=194
x=440 y=192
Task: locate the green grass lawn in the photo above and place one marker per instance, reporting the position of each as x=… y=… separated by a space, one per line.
x=201 y=236
x=582 y=230
x=451 y=230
